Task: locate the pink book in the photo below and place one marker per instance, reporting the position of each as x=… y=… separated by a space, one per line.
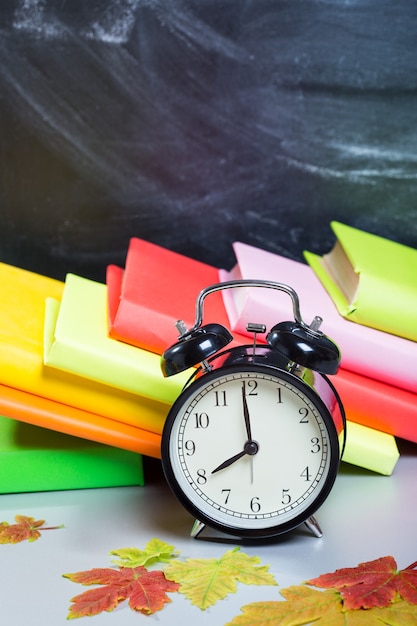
x=372 y=353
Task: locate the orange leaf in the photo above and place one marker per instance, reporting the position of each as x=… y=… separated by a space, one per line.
x=25 y=528
x=372 y=584
x=146 y=591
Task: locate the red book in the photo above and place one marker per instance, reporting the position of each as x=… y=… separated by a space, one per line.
x=377 y=405
x=157 y=288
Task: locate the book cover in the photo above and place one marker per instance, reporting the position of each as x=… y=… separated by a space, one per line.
x=33 y=409
x=367 y=351
x=40 y=459
x=372 y=280
x=370 y=449
x=22 y=316
x=76 y=341
x=374 y=404
x=156 y=288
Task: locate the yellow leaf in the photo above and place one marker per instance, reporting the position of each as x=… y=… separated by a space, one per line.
x=304 y=606
x=205 y=581
x=399 y=613
x=156 y=551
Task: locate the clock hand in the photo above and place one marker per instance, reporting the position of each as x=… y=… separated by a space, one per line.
x=247 y=423
x=246 y=414
x=251 y=448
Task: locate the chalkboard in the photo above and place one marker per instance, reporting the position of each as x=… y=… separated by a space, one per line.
x=197 y=123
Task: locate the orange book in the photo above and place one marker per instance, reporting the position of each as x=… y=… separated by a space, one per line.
x=377 y=405
x=157 y=288
x=33 y=409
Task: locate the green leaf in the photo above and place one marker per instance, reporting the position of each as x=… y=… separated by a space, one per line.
x=205 y=581
x=156 y=551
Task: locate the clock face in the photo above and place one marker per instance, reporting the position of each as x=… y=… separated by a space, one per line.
x=250 y=450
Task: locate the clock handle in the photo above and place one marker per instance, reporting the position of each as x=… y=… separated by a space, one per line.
x=297 y=341
x=231 y=284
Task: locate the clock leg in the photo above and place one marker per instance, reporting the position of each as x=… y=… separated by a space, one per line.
x=313 y=526
x=196 y=529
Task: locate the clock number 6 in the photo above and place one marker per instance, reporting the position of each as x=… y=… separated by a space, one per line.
x=254 y=505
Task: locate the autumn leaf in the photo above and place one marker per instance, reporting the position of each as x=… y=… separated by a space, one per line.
x=146 y=591
x=155 y=551
x=372 y=584
x=304 y=605
x=205 y=581
x=26 y=528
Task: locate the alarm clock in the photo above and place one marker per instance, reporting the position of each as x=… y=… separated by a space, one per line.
x=252 y=445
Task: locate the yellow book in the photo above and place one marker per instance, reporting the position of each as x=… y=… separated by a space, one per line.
x=371 y=280
x=76 y=340
x=22 y=313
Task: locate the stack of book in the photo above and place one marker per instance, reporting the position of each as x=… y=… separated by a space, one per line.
x=82 y=358
x=376 y=331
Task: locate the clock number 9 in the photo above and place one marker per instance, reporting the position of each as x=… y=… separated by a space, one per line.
x=189 y=447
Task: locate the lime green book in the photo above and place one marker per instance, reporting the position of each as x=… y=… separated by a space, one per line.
x=39 y=459
x=371 y=280
x=76 y=341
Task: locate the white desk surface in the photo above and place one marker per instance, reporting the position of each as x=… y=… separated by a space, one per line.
x=365 y=517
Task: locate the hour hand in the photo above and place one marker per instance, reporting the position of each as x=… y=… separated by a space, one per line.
x=251 y=448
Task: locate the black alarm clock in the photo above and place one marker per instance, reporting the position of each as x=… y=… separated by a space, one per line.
x=252 y=445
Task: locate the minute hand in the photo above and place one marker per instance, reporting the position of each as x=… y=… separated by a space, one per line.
x=246 y=414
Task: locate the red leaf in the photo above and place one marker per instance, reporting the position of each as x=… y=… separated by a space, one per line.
x=146 y=591
x=372 y=584
x=25 y=528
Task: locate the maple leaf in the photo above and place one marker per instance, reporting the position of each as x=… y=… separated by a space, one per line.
x=372 y=584
x=205 y=581
x=156 y=551
x=322 y=608
x=146 y=591
x=25 y=528
x=303 y=606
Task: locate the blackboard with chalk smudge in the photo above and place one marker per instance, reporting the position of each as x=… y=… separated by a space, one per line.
x=197 y=123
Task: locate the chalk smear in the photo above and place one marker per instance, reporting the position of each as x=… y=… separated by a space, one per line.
x=115 y=24
x=30 y=17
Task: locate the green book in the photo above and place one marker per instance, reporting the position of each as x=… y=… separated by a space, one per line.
x=39 y=459
x=371 y=280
